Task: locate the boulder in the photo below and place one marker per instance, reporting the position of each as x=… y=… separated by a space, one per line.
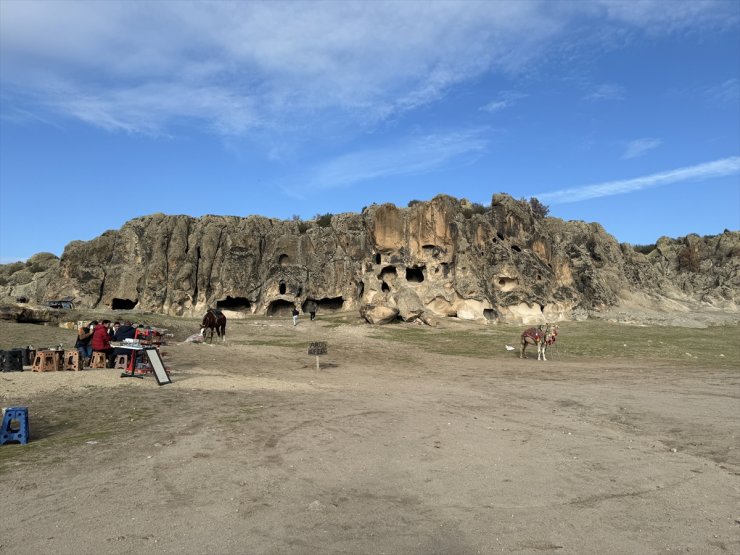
x=378 y=314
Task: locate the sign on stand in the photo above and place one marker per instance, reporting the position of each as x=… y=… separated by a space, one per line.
x=317 y=348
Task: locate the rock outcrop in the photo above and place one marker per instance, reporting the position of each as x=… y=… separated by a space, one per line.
x=435 y=259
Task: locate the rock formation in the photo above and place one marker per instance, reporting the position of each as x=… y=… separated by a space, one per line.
x=435 y=259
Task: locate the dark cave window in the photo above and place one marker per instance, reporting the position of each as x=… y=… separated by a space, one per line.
x=234 y=303
x=123 y=304
x=415 y=275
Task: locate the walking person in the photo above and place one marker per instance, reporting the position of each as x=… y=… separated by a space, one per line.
x=295 y=314
x=310 y=307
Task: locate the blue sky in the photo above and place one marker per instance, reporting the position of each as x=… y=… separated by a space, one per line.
x=625 y=113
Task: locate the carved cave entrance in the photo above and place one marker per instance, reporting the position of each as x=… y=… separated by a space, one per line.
x=415 y=275
x=234 y=303
x=326 y=304
x=123 y=304
x=280 y=308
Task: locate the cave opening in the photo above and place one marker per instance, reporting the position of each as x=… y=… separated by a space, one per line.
x=234 y=303
x=360 y=289
x=123 y=304
x=385 y=288
x=500 y=236
x=280 y=307
x=516 y=248
x=282 y=288
x=283 y=259
x=415 y=275
x=330 y=304
x=377 y=258
x=388 y=271
x=489 y=314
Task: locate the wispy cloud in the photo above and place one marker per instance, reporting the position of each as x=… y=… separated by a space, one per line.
x=414 y=156
x=606 y=91
x=699 y=172
x=236 y=67
x=727 y=92
x=505 y=100
x=496 y=105
x=639 y=147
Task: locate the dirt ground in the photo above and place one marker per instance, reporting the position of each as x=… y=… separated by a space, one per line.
x=388 y=448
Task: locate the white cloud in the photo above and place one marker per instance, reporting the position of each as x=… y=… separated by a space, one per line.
x=414 y=156
x=505 y=100
x=496 y=105
x=606 y=91
x=727 y=92
x=241 y=66
x=699 y=172
x=639 y=147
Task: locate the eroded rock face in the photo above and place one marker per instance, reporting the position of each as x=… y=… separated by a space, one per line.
x=435 y=259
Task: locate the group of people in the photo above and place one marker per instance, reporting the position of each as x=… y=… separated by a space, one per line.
x=310 y=308
x=97 y=337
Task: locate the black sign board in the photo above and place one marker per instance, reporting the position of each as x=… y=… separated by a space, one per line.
x=317 y=348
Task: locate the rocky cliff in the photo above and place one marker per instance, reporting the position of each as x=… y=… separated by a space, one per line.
x=441 y=258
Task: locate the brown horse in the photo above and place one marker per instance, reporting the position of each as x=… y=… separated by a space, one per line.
x=214 y=320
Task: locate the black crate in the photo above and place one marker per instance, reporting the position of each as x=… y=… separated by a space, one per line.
x=12 y=361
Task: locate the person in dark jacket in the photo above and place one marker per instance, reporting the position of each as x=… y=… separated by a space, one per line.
x=125 y=331
x=83 y=346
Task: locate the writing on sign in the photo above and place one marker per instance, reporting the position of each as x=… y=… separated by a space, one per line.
x=317 y=348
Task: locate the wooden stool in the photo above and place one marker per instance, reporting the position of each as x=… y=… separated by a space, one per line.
x=72 y=360
x=45 y=361
x=121 y=362
x=99 y=360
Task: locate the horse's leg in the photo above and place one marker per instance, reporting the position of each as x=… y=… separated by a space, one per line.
x=544 y=350
x=521 y=348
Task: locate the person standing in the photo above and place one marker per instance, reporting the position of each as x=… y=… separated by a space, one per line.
x=295 y=316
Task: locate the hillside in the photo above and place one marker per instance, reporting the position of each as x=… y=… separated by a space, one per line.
x=436 y=259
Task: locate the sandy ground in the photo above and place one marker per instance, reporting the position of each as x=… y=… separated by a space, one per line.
x=385 y=449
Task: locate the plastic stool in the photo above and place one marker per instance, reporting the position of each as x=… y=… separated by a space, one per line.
x=19 y=434
x=121 y=362
x=98 y=360
x=72 y=360
x=45 y=361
